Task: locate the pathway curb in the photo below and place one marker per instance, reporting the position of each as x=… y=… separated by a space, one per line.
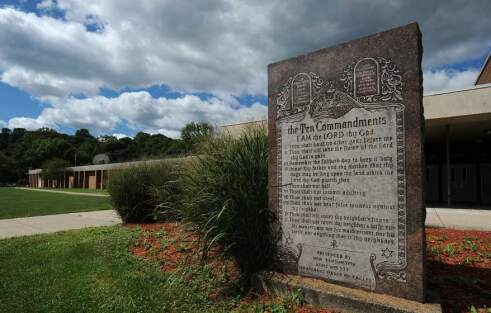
x=25 y=226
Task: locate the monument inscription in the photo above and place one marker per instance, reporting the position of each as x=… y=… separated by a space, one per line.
x=342 y=165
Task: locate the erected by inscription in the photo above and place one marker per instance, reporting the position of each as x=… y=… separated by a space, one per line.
x=341 y=169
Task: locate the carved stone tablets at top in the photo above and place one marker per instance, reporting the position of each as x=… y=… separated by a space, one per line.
x=301 y=91
x=366 y=78
x=345 y=165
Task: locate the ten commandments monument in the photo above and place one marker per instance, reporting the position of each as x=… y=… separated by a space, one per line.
x=346 y=163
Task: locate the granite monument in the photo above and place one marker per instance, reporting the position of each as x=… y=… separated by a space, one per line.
x=346 y=163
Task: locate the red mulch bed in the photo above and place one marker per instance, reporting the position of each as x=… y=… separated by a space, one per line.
x=459 y=268
x=459 y=264
x=172 y=256
x=175 y=246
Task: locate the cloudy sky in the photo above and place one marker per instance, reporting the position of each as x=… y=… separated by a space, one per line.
x=121 y=66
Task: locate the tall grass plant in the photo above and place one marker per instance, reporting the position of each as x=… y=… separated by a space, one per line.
x=225 y=198
x=146 y=192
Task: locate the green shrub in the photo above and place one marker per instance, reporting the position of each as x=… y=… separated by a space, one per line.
x=225 y=198
x=145 y=192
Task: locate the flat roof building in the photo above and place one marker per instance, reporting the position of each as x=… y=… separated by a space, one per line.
x=87 y=176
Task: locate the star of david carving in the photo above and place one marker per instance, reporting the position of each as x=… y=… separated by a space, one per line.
x=387 y=253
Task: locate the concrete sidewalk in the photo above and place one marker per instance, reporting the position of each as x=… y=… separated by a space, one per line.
x=90 y=194
x=435 y=217
x=458 y=218
x=16 y=227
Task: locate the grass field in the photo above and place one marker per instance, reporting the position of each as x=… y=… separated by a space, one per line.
x=81 y=190
x=92 y=270
x=23 y=203
x=156 y=268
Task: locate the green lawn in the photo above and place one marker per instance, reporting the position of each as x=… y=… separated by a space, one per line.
x=92 y=270
x=24 y=203
x=82 y=190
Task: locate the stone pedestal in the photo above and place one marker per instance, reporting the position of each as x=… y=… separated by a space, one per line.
x=338 y=298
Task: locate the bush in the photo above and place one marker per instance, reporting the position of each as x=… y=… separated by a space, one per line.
x=146 y=192
x=225 y=198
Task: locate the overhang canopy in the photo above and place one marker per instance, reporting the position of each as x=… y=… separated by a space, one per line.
x=467 y=112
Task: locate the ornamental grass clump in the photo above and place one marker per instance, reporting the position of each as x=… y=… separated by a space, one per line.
x=225 y=198
x=147 y=192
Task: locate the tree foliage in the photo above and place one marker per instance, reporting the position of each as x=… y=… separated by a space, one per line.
x=194 y=134
x=7 y=169
x=21 y=150
x=54 y=168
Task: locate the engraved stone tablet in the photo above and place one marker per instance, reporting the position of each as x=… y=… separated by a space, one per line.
x=346 y=179
x=366 y=78
x=301 y=91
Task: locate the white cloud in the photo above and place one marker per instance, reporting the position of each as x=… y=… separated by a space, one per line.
x=120 y=136
x=46 y=85
x=139 y=110
x=447 y=79
x=46 y=5
x=3 y=124
x=215 y=46
x=221 y=47
x=29 y=123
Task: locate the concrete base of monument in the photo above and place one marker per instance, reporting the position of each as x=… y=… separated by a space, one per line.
x=337 y=298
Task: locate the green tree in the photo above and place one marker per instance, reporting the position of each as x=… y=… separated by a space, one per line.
x=54 y=168
x=86 y=151
x=194 y=134
x=176 y=147
x=83 y=133
x=16 y=135
x=47 y=132
x=30 y=149
x=124 y=150
x=7 y=169
x=4 y=138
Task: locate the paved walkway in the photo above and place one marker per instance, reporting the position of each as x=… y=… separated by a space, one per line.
x=16 y=227
x=459 y=218
x=435 y=217
x=90 y=194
